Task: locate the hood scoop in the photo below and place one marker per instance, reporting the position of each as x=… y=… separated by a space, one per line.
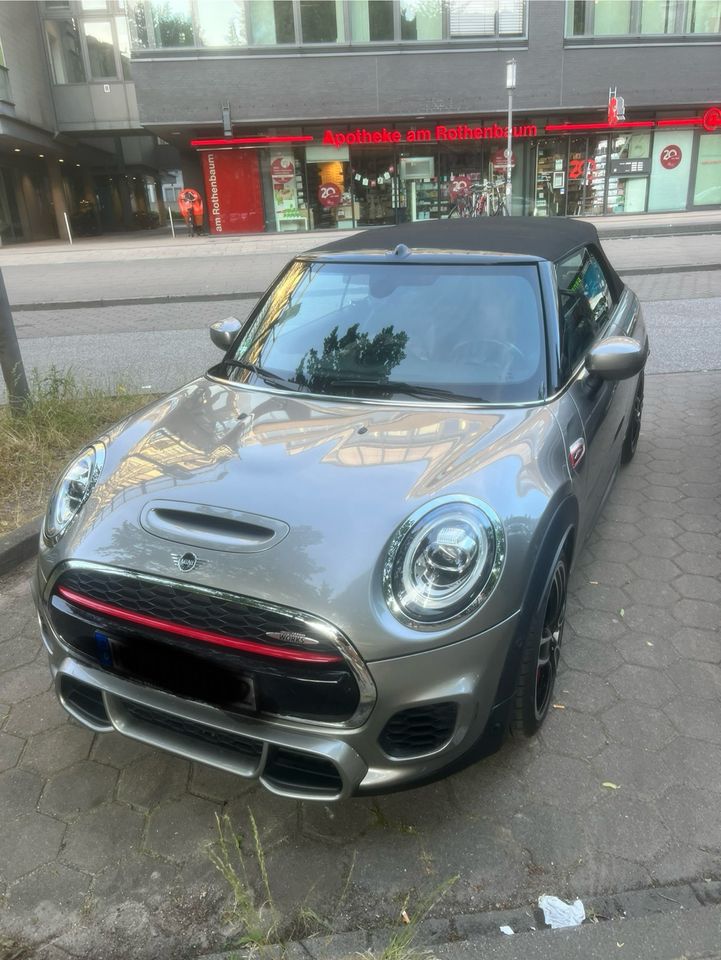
x=212 y=528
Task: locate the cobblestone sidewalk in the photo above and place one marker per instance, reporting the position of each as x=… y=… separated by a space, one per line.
x=103 y=842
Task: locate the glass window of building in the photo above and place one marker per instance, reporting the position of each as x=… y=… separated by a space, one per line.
x=222 y=23
x=123 y=39
x=703 y=16
x=372 y=21
x=328 y=176
x=658 y=16
x=271 y=22
x=321 y=21
x=485 y=18
x=171 y=23
x=92 y=6
x=707 y=188
x=101 y=52
x=66 y=59
x=421 y=19
x=670 y=170
x=611 y=18
x=629 y=166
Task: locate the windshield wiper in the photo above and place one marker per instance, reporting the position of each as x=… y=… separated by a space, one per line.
x=398 y=386
x=274 y=379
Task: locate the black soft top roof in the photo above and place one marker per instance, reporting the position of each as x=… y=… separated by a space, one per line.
x=547 y=238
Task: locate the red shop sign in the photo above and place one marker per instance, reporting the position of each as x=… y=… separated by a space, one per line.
x=460 y=186
x=670 y=156
x=329 y=195
x=499 y=159
x=282 y=170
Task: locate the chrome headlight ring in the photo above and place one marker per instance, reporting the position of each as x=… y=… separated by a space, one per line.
x=72 y=489
x=443 y=562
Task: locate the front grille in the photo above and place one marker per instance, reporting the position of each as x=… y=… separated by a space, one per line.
x=243 y=747
x=239 y=681
x=418 y=730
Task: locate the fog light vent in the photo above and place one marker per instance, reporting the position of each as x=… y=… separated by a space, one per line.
x=419 y=730
x=85 y=700
x=303 y=773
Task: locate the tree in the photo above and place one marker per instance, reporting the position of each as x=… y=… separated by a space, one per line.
x=10 y=358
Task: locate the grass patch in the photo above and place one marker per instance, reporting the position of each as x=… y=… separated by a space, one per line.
x=63 y=417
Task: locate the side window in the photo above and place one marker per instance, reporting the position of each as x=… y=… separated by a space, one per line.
x=585 y=304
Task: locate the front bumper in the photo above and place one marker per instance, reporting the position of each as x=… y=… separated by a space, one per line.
x=293 y=758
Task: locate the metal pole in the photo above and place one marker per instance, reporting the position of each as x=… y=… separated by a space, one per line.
x=172 y=225
x=67 y=227
x=509 y=153
x=10 y=358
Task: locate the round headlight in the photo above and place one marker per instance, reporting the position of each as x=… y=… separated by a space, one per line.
x=443 y=562
x=72 y=490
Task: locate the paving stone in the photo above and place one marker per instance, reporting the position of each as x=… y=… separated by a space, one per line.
x=152 y=779
x=590 y=656
x=78 y=789
x=654 y=592
x=24 y=682
x=650 y=619
x=10 y=750
x=182 y=829
x=625 y=827
x=16 y=652
x=694 y=644
x=699 y=563
x=698 y=588
x=573 y=733
x=596 y=624
x=342 y=823
x=584 y=693
x=637 y=772
x=608 y=572
x=642 y=903
x=643 y=685
x=703 y=543
x=686 y=716
x=27 y=843
x=19 y=792
x=419 y=811
x=699 y=523
x=52 y=751
x=47 y=897
x=606 y=550
x=215 y=784
x=689 y=816
x=39 y=713
x=636 y=723
x=553 y=841
x=562 y=781
x=697 y=613
x=99 y=837
x=693 y=762
x=694 y=679
x=600 y=597
x=655 y=568
x=118 y=751
x=277 y=819
x=683 y=861
x=136 y=874
x=646 y=651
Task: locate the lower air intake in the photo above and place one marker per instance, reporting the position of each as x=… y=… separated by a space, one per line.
x=418 y=730
x=293 y=771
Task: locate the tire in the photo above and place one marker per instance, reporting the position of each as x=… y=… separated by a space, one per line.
x=633 y=431
x=539 y=664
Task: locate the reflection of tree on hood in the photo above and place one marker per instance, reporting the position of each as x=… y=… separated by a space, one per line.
x=352 y=354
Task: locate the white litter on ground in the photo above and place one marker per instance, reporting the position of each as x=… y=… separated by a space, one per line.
x=558 y=914
x=507 y=930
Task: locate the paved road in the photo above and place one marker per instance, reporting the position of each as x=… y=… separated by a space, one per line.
x=103 y=843
x=157 y=347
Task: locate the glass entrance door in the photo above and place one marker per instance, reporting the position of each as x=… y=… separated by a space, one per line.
x=550 y=182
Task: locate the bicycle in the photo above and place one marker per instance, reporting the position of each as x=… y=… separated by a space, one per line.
x=487 y=199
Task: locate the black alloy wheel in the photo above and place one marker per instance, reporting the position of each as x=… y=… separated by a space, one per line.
x=541 y=655
x=633 y=431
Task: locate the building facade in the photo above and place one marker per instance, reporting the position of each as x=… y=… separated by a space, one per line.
x=74 y=157
x=329 y=114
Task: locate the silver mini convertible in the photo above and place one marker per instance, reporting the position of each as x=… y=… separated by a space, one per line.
x=338 y=562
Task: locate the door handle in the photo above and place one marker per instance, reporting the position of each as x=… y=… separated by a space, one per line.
x=576 y=453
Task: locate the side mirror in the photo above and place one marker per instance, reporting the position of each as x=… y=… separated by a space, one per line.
x=617 y=358
x=223 y=332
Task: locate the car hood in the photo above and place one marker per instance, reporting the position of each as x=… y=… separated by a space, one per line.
x=332 y=478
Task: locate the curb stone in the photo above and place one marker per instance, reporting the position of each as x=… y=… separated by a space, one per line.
x=19 y=545
x=473 y=933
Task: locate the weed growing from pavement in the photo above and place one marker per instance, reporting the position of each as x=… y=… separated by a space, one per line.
x=62 y=417
x=400 y=944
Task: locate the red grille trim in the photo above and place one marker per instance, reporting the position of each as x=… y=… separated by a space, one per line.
x=205 y=636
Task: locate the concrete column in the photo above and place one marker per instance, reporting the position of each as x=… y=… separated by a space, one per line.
x=57 y=193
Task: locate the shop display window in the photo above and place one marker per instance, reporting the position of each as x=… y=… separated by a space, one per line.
x=707 y=188
x=550 y=182
x=288 y=192
x=670 y=170
x=328 y=175
x=460 y=170
x=375 y=188
x=629 y=167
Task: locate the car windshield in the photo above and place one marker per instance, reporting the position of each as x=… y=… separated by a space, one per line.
x=388 y=330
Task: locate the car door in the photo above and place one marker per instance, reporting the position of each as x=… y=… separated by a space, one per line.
x=587 y=313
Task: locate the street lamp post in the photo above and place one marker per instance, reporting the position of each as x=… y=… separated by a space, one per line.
x=510 y=86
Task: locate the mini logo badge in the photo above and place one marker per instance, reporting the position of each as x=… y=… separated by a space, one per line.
x=286 y=636
x=186 y=561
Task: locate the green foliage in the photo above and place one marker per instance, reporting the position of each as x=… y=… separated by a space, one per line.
x=352 y=354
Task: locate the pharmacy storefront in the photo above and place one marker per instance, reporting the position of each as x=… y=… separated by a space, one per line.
x=343 y=176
